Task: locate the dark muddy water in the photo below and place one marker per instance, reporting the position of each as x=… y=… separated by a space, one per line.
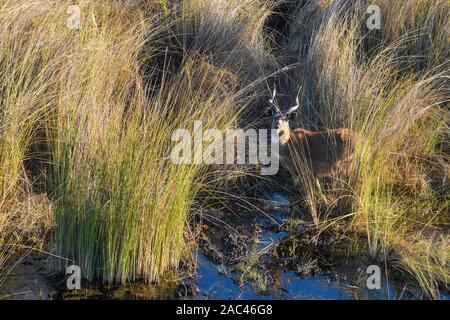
x=215 y=283
x=219 y=282
x=28 y=280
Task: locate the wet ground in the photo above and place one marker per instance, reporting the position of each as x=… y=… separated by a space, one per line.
x=27 y=281
x=267 y=254
x=259 y=254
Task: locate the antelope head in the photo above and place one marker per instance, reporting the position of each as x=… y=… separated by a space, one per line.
x=280 y=120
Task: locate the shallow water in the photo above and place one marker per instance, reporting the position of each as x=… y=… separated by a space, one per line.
x=219 y=282
x=28 y=279
x=215 y=283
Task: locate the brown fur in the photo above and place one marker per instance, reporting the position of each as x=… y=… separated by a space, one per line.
x=321 y=151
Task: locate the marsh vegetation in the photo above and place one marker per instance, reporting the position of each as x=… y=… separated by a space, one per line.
x=87 y=115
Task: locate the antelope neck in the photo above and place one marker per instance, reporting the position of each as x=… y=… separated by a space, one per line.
x=284 y=136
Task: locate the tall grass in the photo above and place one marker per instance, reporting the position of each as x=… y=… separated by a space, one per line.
x=25 y=80
x=123 y=203
x=107 y=118
x=102 y=103
x=391 y=87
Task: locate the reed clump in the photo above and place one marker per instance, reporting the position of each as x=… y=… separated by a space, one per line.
x=391 y=87
x=121 y=205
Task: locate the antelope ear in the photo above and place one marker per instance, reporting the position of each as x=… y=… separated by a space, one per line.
x=292 y=115
x=268 y=112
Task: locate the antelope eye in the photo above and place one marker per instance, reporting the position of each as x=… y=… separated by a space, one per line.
x=269 y=112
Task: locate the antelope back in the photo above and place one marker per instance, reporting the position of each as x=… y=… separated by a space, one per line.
x=321 y=151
